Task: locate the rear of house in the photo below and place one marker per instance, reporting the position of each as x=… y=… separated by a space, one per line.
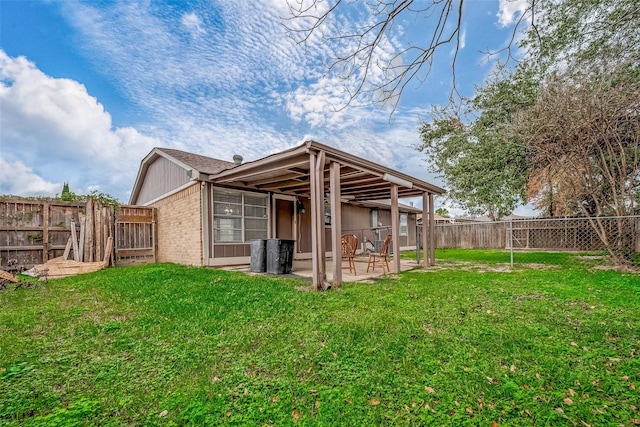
x=204 y=223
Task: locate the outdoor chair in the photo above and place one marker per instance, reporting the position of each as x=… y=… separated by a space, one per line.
x=348 y=246
x=381 y=257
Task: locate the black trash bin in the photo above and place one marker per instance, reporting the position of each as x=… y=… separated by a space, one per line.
x=279 y=256
x=258 y=255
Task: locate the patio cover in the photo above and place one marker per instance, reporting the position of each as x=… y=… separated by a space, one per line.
x=314 y=170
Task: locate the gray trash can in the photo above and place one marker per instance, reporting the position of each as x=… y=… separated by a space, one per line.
x=258 y=255
x=279 y=256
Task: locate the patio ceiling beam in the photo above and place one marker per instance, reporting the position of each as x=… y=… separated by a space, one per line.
x=355 y=182
x=245 y=174
x=382 y=190
x=352 y=173
x=350 y=160
x=370 y=189
x=366 y=186
x=382 y=196
x=283 y=185
x=292 y=176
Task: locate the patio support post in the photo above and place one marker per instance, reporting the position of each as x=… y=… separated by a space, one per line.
x=314 y=223
x=317 y=220
x=432 y=231
x=336 y=223
x=395 y=227
x=426 y=261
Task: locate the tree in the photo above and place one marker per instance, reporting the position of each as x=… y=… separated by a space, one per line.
x=361 y=44
x=594 y=37
x=485 y=171
x=443 y=212
x=363 y=48
x=66 y=194
x=583 y=135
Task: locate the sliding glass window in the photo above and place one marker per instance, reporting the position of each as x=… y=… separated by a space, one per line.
x=239 y=216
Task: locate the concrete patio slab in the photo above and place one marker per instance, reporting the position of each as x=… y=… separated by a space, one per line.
x=303 y=269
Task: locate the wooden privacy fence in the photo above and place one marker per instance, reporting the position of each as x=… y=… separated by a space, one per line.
x=471 y=235
x=135 y=235
x=571 y=234
x=35 y=231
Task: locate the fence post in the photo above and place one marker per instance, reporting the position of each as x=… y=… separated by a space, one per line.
x=511 y=239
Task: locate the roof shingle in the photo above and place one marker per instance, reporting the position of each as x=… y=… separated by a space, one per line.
x=204 y=164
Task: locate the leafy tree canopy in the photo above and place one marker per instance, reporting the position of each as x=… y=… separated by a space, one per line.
x=489 y=168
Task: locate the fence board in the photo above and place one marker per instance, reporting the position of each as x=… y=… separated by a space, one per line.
x=34 y=231
x=471 y=236
x=135 y=235
x=557 y=234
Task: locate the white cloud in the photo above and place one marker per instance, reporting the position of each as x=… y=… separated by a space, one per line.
x=245 y=88
x=62 y=133
x=18 y=179
x=510 y=11
x=200 y=77
x=192 y=23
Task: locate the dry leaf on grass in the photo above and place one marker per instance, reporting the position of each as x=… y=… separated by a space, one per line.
x=568 y=401
x=375 y=402
x=296 y=415
x=429 y=390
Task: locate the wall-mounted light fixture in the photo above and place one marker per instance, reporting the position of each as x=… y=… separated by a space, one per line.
x=397 y=180
x=300 y=207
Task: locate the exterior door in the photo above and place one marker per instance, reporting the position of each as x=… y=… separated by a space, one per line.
x=284 y=219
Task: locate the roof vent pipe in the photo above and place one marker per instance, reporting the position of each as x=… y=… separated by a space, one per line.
x=237 y=159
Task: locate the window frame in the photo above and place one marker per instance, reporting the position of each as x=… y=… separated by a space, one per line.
x=404 y=228
x=375 y=218
x=242 y=215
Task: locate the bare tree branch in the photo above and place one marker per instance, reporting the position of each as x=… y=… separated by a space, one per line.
x=375 y=67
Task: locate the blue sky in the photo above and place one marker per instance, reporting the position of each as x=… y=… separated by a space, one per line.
x=87 y=89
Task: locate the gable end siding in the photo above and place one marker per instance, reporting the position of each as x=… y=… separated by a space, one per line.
x=162 y=177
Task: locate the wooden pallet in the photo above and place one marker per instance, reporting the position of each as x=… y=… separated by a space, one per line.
x=6 y=277
x=62 y=267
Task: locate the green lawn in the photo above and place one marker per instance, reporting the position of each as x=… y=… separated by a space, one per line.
x=171 y=345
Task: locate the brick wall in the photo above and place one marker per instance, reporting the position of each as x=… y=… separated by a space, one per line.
x=179 y=227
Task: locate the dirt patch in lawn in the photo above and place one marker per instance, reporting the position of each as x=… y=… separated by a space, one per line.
x=486 y=268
